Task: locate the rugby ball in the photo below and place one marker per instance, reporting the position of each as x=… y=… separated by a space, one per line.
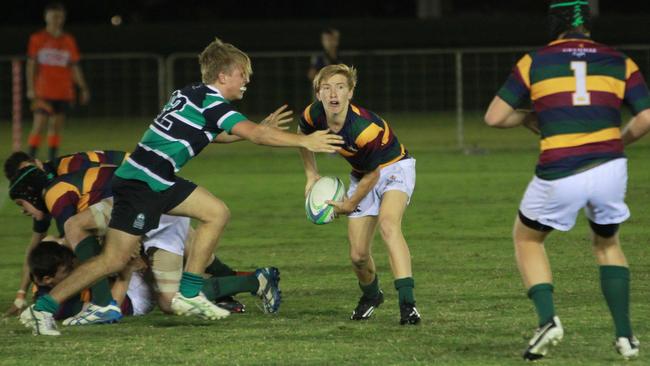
x=326 y=188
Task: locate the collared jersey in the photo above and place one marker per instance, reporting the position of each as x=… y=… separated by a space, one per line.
x=72 y=193
x=576 y=87
x=53 y=57
x=192 y=118
x=368 y=140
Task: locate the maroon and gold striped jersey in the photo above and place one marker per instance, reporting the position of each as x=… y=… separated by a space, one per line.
x=576 y=87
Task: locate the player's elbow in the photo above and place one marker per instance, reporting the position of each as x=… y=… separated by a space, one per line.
x=492 y=119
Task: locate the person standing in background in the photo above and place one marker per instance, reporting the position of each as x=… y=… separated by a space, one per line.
x=330 y=40
x=52 y=70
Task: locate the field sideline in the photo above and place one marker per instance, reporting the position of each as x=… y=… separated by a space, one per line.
x=468 y=291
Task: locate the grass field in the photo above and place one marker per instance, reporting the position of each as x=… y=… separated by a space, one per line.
x=468 y=291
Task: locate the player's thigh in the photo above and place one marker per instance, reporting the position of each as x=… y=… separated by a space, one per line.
x=555 y=203
x=607 y=197
x=202 y=205
x=391 y=211
x=522 y=233
x=361 y=232
x=39 y=122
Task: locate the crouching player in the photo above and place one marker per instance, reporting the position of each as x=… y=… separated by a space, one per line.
x=576 y=87
x=381 y=185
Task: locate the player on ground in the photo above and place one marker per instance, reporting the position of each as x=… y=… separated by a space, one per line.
x=146 y=185
x=85 y=225
x=52 y=70
x=39 y=180
x=381 y=185
x=576 y=87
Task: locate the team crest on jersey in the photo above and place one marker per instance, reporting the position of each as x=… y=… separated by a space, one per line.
x=138 y=223
x=394 y=179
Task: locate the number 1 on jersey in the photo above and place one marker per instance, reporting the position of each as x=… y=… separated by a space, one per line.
x=581 y=96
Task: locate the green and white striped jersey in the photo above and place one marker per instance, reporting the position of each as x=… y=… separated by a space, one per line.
x=192 y=118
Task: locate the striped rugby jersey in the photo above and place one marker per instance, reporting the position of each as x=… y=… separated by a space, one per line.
x=73 y=163
x=192 y=118
x=72 y=193
x=84 y=160
x=576 y=87
x=368 y=140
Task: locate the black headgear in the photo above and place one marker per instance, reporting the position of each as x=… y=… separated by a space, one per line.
x=568 y=14
x=28 y=184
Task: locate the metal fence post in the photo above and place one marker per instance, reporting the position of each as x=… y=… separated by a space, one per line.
x=459 y=100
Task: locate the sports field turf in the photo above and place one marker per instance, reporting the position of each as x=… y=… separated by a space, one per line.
x=468 y=291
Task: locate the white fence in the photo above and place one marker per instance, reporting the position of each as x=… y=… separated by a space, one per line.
x=135 y=85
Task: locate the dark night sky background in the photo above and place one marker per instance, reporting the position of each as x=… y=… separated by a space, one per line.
x=153 y=11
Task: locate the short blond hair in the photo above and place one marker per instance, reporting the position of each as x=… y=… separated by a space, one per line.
x=220 y=57
x=328 y=71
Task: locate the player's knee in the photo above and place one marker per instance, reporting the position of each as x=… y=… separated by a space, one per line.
x=605 y=231
x=114 y=262
x=359 y=259
x=389 y=228
x=219 y=214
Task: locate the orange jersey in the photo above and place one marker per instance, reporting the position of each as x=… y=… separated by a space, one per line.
x=54 y=57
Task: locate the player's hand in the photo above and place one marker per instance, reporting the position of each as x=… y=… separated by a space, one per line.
x=18 y=305
x=310 y=183
x=322 y=141
x=342 y=207
x=278 y=119
x=84 y=96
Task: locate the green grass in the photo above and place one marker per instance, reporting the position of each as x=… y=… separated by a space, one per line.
x=473 y=304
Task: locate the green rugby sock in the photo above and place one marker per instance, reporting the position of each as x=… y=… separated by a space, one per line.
x=191 y=284
x=219 y=269
x=218 y=287
x=371 y=290
x=101 y=290
x=615 y=284
x=46 y=303
x=404 y=287
x=542 y=296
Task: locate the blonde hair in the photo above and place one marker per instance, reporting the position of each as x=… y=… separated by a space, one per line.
x=327 y=72
x=220 y=57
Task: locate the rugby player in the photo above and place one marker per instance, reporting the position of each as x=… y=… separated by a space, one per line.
x=146 y=185
x=576 y=87
x=381 y=185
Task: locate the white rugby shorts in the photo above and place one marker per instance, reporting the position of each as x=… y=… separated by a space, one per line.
x=399 y=176
x=141 y=294
x=599 y=190
x=170 y=234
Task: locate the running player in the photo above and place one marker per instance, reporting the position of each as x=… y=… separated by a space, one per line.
x=146 y=185
x=576 y=86
x=52 y=70
x=381 y=185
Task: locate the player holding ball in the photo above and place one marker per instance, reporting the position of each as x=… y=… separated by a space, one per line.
x=381 y=185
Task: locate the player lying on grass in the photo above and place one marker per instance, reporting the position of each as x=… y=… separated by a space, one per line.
x=92 y=222
x=146 y=185
x=576 y=87
x=149 y=279
x=381 y=185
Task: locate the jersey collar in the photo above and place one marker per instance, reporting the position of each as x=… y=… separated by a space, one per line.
x=572 y=37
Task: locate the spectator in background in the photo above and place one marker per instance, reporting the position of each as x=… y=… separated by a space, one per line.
x=330 y=39
x=52 y=68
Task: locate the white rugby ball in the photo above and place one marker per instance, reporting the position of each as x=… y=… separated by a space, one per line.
x=326 y=188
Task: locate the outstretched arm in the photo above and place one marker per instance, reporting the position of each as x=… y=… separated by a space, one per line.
x=319 y=141
x=309 y=164
x=25 y=280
